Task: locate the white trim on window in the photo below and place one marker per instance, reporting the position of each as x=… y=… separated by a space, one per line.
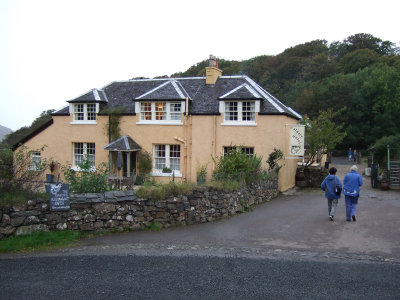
x=84 y=113
x=80 y=151
x=36 y=160
x=167 y=156
x=160 y=112
x=235 y=113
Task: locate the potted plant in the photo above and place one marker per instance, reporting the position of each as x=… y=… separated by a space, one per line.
x=384 y=185
x=52 y=167
x=166 y=170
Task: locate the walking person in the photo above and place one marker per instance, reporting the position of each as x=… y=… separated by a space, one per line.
x=355 y=156
x=329 y=185
x=351 y=191
x=350 y=154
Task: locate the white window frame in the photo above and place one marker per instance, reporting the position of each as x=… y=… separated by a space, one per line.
x=168 y=159
x=248 y=150
x=36 y=161
x=85 y=148
x=86 y=113
x=223 y=106
x=169 y=112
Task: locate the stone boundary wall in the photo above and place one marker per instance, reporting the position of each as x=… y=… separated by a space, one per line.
x=123 y=210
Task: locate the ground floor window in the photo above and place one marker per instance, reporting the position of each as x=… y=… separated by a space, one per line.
x=35 y=161
x=82 y=151
x=248 y=150
x=167 y=156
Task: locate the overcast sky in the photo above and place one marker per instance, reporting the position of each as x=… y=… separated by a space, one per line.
x=52 y=51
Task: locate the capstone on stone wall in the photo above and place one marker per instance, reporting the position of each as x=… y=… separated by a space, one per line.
x=124 y=210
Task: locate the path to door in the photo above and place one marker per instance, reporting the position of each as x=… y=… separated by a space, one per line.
x=294 y=222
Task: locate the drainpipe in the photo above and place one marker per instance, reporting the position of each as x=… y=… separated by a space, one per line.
x=214 y=142
x=185 y=158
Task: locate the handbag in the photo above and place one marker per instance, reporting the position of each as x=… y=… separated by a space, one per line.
x=338 y=189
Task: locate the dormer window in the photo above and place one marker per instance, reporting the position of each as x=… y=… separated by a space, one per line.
x=84 y=113
x=240 y=112
x=162 y=112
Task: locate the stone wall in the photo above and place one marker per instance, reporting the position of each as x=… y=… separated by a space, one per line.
x=313 y=177
x=123 y=210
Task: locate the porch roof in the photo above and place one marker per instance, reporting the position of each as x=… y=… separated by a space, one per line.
x=124 y=143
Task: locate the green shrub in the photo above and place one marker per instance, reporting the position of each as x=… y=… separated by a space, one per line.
x=238 y=166
x=225 y=185
x=380 y=148
x=12 y=198
x=20 y=178
x=145 y=163
x=202 y=174
x=159 y=192
x=87 y=179
x=139 y=180
x=151 y=192
x=273 y=159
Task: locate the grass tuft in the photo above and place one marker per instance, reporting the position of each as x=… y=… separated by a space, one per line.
x=40 y=241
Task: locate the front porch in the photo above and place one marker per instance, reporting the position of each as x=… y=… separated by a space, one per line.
x=122 y=162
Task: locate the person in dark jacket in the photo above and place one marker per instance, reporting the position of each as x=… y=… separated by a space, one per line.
x=329 y=186
x=351 y=191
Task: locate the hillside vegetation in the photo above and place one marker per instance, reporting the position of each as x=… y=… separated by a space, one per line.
x=360 y=73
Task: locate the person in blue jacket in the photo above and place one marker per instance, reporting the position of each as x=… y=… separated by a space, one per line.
x=350 y=154
x=351 y=191
x=328 y=185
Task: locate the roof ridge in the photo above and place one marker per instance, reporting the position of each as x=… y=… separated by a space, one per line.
x=265 y=94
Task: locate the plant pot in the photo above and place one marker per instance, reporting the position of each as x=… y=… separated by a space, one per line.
x=384 y=186
x=49 y=178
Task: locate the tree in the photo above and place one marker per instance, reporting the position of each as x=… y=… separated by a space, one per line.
x=361 y=41
x=383 y=88
x=322 y=134
x=15 y=137
x=358 y=59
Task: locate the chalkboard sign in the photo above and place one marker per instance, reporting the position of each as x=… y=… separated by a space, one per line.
x=59 y=197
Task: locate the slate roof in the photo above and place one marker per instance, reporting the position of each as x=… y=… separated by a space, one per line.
x=203 y=99
x=94 y=95
x=124 y=143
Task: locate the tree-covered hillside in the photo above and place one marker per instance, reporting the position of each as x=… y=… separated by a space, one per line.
x=361 y=73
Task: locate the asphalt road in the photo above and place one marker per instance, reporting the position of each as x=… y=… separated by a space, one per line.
x=284 y=249
x=172 y=277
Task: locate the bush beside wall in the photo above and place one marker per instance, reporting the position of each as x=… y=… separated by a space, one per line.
x=124 y=210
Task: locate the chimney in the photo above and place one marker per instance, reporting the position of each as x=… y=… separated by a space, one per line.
x=212 y=71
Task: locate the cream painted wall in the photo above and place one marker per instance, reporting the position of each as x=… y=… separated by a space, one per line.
x=209 y=138
x=60 y=136
x=204 y=135
x=149 y=135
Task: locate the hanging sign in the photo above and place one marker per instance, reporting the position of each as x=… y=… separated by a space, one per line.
x=296 y=140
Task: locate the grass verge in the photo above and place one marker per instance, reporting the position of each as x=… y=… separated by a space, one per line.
x=41 y=241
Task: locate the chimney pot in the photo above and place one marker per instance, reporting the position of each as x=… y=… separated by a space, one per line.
x=212 y=71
